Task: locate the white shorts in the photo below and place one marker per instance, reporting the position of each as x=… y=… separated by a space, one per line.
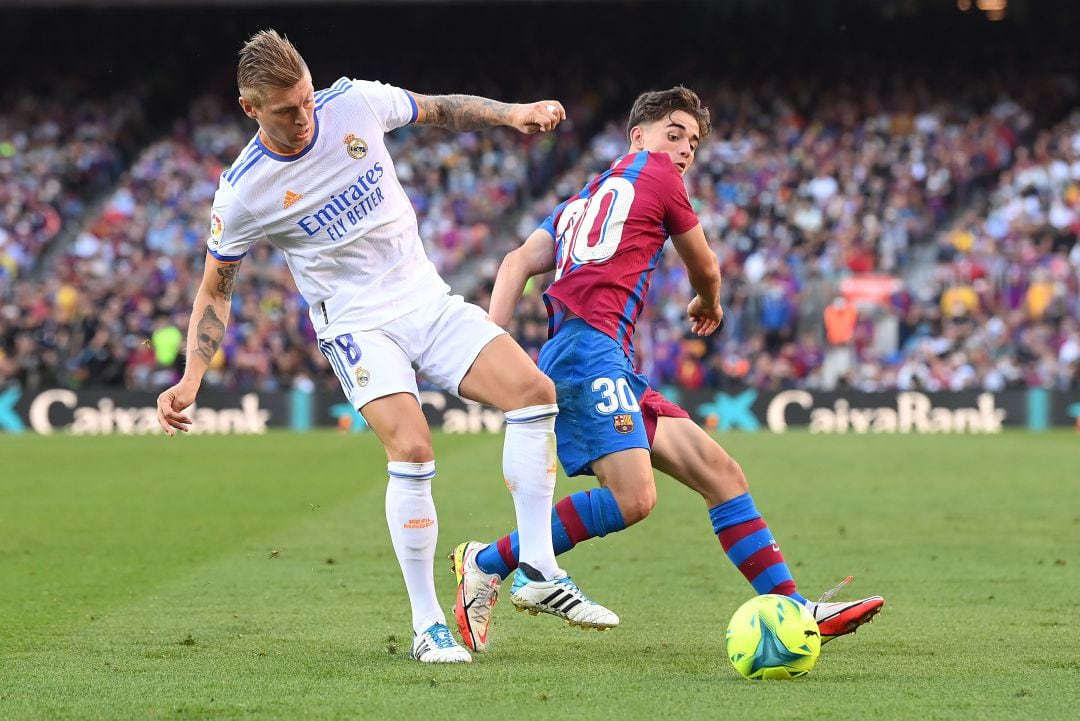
x=440 y=340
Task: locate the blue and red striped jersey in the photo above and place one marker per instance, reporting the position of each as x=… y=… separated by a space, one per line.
x=608 y=240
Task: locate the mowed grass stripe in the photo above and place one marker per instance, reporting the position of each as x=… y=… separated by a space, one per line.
x=92 y=521
x=963 y=535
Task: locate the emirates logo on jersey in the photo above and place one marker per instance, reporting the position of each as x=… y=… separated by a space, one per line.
x=356 y=147
x=290 y=199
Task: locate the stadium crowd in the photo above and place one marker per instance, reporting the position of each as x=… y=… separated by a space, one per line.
x=54 y=155
x=114 y=307
x=797 y=202
x=1009 y=273
x=803 y=185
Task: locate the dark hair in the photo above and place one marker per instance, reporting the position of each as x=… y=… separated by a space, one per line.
x=659 y=104
x=268 y=61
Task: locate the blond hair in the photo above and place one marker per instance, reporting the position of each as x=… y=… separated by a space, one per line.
x=268 y=61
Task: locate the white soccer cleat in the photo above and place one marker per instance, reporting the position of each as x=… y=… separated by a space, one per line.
x=477 y=593
x=436 y=645
x=560 y=597
x=843 y=617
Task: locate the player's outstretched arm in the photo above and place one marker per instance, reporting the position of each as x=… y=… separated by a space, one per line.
x=209 y=317
x=466 y=113
x=535 y=256
x=703 y=270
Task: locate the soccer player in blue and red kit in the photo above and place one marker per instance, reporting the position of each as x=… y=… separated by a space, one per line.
x=603 y=244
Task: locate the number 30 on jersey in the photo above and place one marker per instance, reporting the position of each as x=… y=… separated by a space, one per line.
x=590 y=229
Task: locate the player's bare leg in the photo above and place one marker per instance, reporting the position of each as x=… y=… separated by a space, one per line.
x=505 y=377
x=687 y=453
x=629 y=476
x=399 y=423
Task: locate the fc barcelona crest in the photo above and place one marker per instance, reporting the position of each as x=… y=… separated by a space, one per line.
x=624 y=422
x=356 y=147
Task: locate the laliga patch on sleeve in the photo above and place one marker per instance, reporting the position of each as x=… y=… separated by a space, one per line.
x=217 y=229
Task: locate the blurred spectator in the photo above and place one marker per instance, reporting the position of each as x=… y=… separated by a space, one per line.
x=135 y=260
x=839 y=360
x=796 y=200
x=806 y=182
x=55 y=155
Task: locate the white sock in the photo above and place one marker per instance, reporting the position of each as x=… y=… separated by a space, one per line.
x=414 y=529
x=529 y=467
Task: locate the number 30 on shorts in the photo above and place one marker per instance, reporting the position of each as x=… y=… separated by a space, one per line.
x=615 y=395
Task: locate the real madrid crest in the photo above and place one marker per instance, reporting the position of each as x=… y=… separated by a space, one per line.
x=356 y=147
x=362 y=374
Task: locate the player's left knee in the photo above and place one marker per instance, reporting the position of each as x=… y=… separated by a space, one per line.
x=731 y=476
x=537 y=390
x=638 y=506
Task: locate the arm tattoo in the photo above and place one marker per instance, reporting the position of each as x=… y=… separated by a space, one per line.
x=463 y=113
x=209 y=333
x=228 y=278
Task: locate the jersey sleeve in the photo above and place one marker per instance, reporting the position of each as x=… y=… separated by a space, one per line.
x=679 y=215
x=548 y=224
x=392 y=106
x=232 y=228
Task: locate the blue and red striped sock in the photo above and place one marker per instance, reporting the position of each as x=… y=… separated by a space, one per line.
x=576 y=518
x=750 y=545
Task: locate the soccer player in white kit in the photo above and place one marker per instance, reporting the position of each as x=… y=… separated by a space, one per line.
x=317 y=182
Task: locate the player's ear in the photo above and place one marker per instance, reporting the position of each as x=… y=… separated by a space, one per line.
x=637 y=137
x=248 y=108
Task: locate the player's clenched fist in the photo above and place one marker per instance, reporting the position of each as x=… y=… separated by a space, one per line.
x=541 y=116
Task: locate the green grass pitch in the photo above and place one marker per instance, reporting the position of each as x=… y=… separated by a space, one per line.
x=253 y=578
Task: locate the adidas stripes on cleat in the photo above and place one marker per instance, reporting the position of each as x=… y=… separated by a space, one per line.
x=560 y=597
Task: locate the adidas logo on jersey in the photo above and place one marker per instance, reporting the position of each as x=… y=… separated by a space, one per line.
x=290 y=199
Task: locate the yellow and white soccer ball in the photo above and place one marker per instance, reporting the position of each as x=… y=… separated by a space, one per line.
x=773 y=637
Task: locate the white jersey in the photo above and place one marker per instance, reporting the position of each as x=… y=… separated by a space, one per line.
x=337 y=211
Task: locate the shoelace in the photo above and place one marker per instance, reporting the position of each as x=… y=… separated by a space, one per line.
x=442 y=638
x=834 y=590
x=565 y=581
x=487 y=591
